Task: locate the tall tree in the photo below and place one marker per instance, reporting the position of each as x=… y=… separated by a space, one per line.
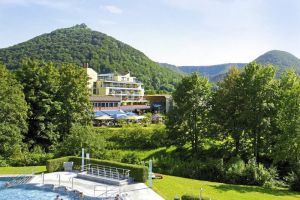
x=257 y=98
x=74 y=97
x=287 y=139
x=40 y=83
x=188 y=121
x=227 y=108
x=13 y=113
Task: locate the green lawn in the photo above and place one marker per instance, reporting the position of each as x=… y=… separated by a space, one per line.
x=171 y=186
x=22 y=170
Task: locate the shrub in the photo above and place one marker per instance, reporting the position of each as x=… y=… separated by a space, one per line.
x=37 y=156
x=235 y=169
x=57 y=164
x=131 y=158
x=137 y=172
x=192 y=197
x=81 y=136
x=238 y=172
x=293 y=180
x=139 y=137
x=210 y=169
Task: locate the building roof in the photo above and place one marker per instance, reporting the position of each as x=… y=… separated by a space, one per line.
x=105 y=98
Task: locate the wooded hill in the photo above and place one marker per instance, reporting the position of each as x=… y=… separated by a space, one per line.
x=79 y=44
x=279 y=59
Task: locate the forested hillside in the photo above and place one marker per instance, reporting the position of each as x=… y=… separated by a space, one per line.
x=79 y=44
x=280 y=59
x=212 y=70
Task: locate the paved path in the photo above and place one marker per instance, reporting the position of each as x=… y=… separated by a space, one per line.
x=136 y=191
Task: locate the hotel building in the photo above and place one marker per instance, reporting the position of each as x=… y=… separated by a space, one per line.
x=123 y=87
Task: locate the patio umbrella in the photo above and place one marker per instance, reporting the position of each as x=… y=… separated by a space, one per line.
x=104 y=117
x=135 y=117
x=119 y=116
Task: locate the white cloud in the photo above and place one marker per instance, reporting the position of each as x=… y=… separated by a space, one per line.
x=113 y=9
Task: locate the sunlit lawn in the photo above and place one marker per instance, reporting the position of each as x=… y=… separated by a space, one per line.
x=171 y=186
x=22 y=170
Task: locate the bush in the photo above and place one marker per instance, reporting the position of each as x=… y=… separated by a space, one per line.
x=139 y=137
x=237 y=172
x=210 y=169
x=293 y=180
x=192 y=197
x=35 y=157
x=81 y=136
x=131 y=158
x=137 y=172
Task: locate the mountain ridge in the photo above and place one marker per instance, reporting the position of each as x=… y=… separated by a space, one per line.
x=278 y=58
x=79 y=44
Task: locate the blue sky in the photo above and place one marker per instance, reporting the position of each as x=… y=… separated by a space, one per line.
x=180 y=32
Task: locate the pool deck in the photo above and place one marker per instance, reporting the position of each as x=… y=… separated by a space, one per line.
x=135 y=191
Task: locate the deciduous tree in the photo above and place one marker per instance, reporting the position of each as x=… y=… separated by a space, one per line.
x=13 y=114
x=188 y=121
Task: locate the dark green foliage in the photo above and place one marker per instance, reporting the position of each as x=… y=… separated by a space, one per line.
x=137 y=172
x=34 y=157
x=57 y=99
x=81 y=136
x=244 y=107
x=73 y=95
x=193 y=197
x=139 y=137
x=13 y=114
x=40 y=85
x=188 y=120
x=131 y=158
x=293 y=180
x=56 y=164
x=238 y=172
x=79 y=44
x=208 y=169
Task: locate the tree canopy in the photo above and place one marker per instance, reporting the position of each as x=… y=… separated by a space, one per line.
x=57 y=98
x=13 y=114
x=188 y=119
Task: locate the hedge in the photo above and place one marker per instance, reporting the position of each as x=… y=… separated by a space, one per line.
x=137 y=172
x=192 y=197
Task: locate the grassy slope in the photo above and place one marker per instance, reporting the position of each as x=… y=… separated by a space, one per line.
x=171 y=186
x=22 y=170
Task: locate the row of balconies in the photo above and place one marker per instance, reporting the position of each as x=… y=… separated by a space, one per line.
x=125 y=93
x=122 y=85
x=132 y=99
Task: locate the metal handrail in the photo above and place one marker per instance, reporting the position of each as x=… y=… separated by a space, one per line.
x=106 y=191
x=106 y=171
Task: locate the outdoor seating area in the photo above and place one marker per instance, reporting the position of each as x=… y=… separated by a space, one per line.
x=113 y=117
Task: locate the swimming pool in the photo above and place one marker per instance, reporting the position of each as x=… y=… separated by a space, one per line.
x=35 y=192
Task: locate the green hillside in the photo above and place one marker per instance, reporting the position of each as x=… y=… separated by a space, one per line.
x=172 y=67
x=280 y=59
x=79 y=44
x=212 y=70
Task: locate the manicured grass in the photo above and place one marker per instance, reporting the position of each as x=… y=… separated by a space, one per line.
x=22 y=170
x=171 y=186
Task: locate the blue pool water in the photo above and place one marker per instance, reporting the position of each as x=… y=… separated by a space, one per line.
x=34 y=192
